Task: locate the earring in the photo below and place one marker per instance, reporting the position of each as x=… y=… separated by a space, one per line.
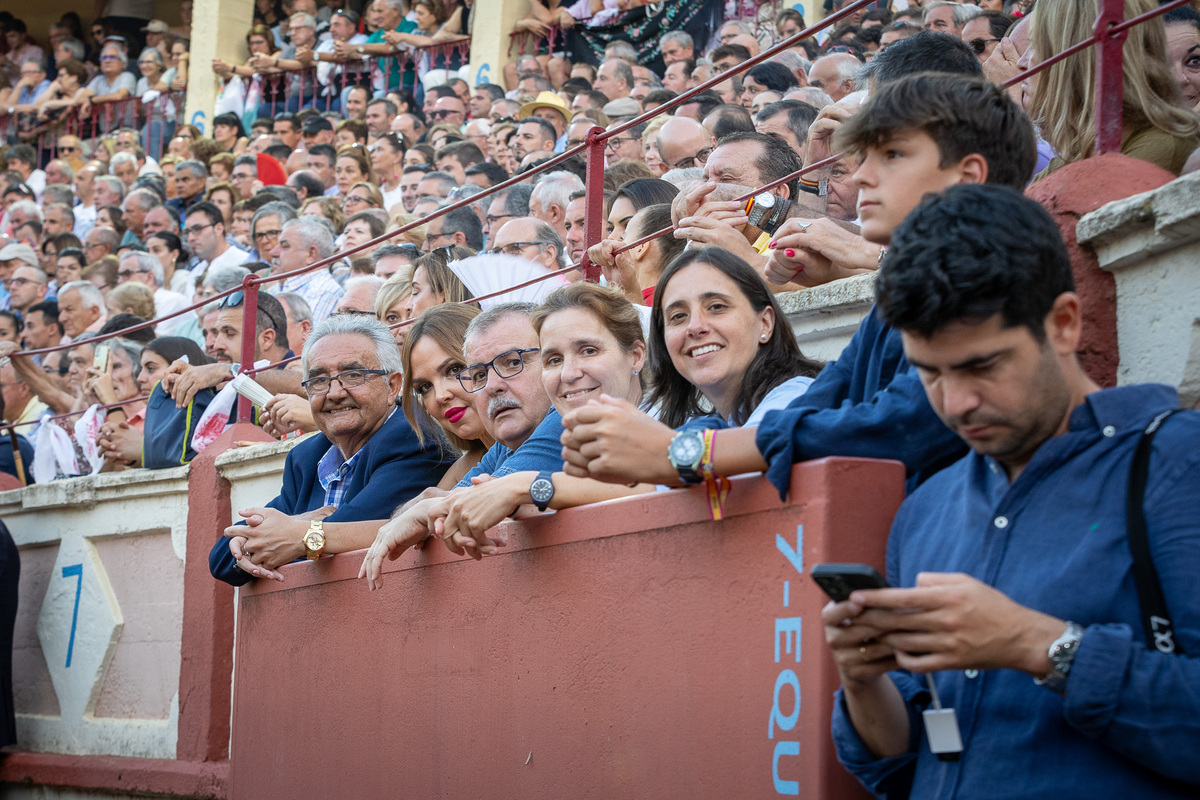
x=635 y=372
x=763 y=337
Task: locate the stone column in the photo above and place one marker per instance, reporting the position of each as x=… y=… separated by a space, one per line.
x=491 y=23
x=218 y=31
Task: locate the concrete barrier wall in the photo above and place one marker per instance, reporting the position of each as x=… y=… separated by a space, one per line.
x=629 y=649
x=97 y=641
x=1151 y=244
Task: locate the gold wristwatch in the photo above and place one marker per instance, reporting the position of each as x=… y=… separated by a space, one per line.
x=314 y=540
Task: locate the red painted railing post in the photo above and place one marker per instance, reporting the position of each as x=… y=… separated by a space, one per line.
x=249 y=337
x=1109 y=78
x=593 y=227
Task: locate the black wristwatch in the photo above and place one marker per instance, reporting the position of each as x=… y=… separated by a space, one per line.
x=685 y=454
x=541 y=491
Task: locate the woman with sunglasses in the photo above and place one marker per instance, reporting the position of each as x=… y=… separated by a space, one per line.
x=351 y=168
x=387 y=160
x=359 y=197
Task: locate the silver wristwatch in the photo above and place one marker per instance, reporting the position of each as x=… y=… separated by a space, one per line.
x=1062 y=655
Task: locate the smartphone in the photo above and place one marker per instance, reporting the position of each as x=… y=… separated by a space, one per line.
x=100 y=360
x=839 y=580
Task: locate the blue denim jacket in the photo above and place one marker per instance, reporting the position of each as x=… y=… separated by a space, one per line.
x=1055 y=541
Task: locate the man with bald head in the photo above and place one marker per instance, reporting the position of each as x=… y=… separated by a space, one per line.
x=159 y=219
x=834 y=74
x=535 y=241
x=614 y=79
x=449 y=110
x=683 y=142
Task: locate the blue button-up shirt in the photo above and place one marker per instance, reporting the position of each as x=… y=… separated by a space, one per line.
x=1055 y=541
x=332 y=472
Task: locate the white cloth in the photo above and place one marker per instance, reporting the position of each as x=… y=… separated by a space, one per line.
x=779 y=397
x=53 y=454
x=184 y=283
x=167 y=302
x=85 y=220
x=392 y=198
x=326 y=69
x=37 y=182
x=232 y=257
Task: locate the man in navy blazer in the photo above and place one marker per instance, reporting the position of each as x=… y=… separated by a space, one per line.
x=365 y=461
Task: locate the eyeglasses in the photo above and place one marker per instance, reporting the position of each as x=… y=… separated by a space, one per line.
x=615 y=142
x=432 y=236
x=266 y=236
x=352 y=199
x=110 y=58
x=979 y=45
x=700 y=159
x=66 y=148
x=444 y=113
x=491 y=221
x=350 y=379
x=507 y=365
x=195 y=230
x=23 y=281
x=126 y=274
x=92 y=245
x=515 y=248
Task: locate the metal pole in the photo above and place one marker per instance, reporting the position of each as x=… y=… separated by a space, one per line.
x=1109 y=79
x=249 y=337
x=593 y=227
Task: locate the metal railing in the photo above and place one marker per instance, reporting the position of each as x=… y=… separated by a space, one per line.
x=1109 y=35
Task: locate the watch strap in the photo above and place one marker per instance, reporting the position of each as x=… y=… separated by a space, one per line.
x=1062 y=654
x=317 y=526
x=548 y=478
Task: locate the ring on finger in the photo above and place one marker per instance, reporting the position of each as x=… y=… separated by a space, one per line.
x=862 y=651
x=804 y=226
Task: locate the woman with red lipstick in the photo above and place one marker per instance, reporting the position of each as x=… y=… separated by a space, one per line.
x=719 y=341
x=432 y=358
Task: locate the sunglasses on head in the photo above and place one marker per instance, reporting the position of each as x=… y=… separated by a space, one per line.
x=236 y=299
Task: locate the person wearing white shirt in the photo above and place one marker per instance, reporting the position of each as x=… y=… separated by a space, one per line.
x=145 y=268
x=204 y=229
x=343 y=27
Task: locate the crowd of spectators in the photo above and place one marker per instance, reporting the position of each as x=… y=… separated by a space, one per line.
x=435 y=416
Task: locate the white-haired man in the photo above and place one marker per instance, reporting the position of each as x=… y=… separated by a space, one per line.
x=145 y=268
x=550 y=198
x=305 y=241
x=365 y=458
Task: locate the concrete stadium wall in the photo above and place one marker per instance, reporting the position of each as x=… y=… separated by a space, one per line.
x=627 y=649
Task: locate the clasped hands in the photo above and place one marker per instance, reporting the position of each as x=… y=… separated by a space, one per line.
x=948 y=621
x=270 y=539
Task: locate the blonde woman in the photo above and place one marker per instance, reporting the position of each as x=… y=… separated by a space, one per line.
x=650 y=146
x=391 y=304
x=1157 y=125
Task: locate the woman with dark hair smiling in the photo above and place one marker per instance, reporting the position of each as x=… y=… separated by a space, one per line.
x=229 y=133
x=718 y=338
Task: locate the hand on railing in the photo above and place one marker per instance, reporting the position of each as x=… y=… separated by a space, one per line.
x=181 y=381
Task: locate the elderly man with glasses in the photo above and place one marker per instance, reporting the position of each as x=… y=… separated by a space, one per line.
x=504 y=377
x=365 y=459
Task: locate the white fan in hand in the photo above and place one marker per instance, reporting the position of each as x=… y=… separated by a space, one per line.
x=484 y=274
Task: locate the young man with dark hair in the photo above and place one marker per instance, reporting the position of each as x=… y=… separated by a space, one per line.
x=1035 y=527
x=869 y=402
x=486 y=174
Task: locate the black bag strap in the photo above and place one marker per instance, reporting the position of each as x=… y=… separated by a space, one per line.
x=1156 y=620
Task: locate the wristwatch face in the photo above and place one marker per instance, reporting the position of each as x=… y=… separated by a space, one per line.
x=314 y=540
x=686 y=450
x=765 y=199
x=541 y=491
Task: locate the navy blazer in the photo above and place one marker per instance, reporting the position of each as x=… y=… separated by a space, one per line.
x=390 y=470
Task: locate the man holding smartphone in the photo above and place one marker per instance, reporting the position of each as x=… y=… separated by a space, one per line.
x=1022 y=597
